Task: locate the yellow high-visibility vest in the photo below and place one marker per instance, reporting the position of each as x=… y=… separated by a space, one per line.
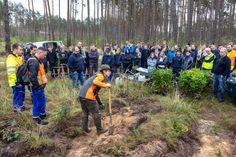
x=207 y=64
x=12 y=63
x=232 y=56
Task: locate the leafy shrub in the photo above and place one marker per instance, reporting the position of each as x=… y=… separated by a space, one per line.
x=162 y=80
x=193 y=81
x=9 y=136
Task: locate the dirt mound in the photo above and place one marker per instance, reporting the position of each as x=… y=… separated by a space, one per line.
x=211 y=144
x=151 y=149
x=90 y=145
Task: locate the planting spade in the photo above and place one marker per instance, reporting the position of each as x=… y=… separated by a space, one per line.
x=111 y=127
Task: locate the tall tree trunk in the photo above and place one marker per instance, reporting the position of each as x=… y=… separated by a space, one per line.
x=30 y=27
x=174 y=20
x=94 y=23
x=189 y=21
x=68 y=23
x=217 y=22
x=45 y=19
x=51 y=26
x=145 y=21
x=82 y=20
x=102 y=26
x=165 y=18
x=231 y=19
x=6 y=26
x=48 y=21
x=221 y=17
x=33 y=15
x=198 y=22
x=59 y=25
x=88 y=38
x=97 y=20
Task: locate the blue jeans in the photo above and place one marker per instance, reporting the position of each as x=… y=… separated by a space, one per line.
x=18 y=97
x=39 y=102
x=219 y=81
x=76 y=76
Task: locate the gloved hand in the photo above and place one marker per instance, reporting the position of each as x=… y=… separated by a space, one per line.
x=101 y=106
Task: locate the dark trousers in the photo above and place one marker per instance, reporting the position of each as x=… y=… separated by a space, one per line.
x=90 y=106
x=53 y=70
x=93 y=68
x=127 y=67
x=219 y=82
x=144 y=63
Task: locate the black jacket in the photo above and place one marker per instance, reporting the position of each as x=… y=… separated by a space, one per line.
x=222 y=66
x=187 y=63
x=63 y=56
x=52 y=57
x=93 y=57
x=33 y=65
x=76 y=63
x=177 y=62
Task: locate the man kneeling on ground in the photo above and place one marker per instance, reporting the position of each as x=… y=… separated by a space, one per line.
x=90 y=100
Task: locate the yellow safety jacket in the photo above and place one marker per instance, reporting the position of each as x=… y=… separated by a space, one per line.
x=208 y=62
x=232 y=56
x=13 y=62
x=115 y=52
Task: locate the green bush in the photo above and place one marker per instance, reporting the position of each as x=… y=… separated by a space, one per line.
x=193 y=81
x=162 y=80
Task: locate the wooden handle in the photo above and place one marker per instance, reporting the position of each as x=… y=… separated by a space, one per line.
x=109 y=95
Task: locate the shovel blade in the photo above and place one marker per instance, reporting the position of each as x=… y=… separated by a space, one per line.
x=111 y=129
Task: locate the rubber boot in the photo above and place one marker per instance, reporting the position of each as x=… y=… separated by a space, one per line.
x=85 y=124
x=98 y=125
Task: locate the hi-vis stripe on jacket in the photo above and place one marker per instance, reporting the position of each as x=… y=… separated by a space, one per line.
x=92 y=86
x=12 y=63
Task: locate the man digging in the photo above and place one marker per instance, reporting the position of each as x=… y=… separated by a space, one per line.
x=90 y=100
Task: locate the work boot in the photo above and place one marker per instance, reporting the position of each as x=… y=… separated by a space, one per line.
x=102 y=131
x=86 y=130
x=98 y=125
x=43 y=116
x=85 y=123
x=39 y=121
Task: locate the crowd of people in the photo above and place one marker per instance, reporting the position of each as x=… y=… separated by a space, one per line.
x=81 y=63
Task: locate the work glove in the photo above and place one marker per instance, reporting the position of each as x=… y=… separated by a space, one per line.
x=101 y=106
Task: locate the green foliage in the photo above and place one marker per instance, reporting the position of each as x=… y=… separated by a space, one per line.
x=118 y=150
x=219 y=153
x=9 y=136
x=193 y=81
x=215 y=129
x=162 y=80
x=63 y=114
x=76 y=132
x=228 y=121
x=37 y=142
x=173 y=130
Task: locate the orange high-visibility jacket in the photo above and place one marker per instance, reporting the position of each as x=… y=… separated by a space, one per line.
x=92 y=86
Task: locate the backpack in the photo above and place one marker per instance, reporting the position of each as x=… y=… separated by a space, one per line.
x=22 y=74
